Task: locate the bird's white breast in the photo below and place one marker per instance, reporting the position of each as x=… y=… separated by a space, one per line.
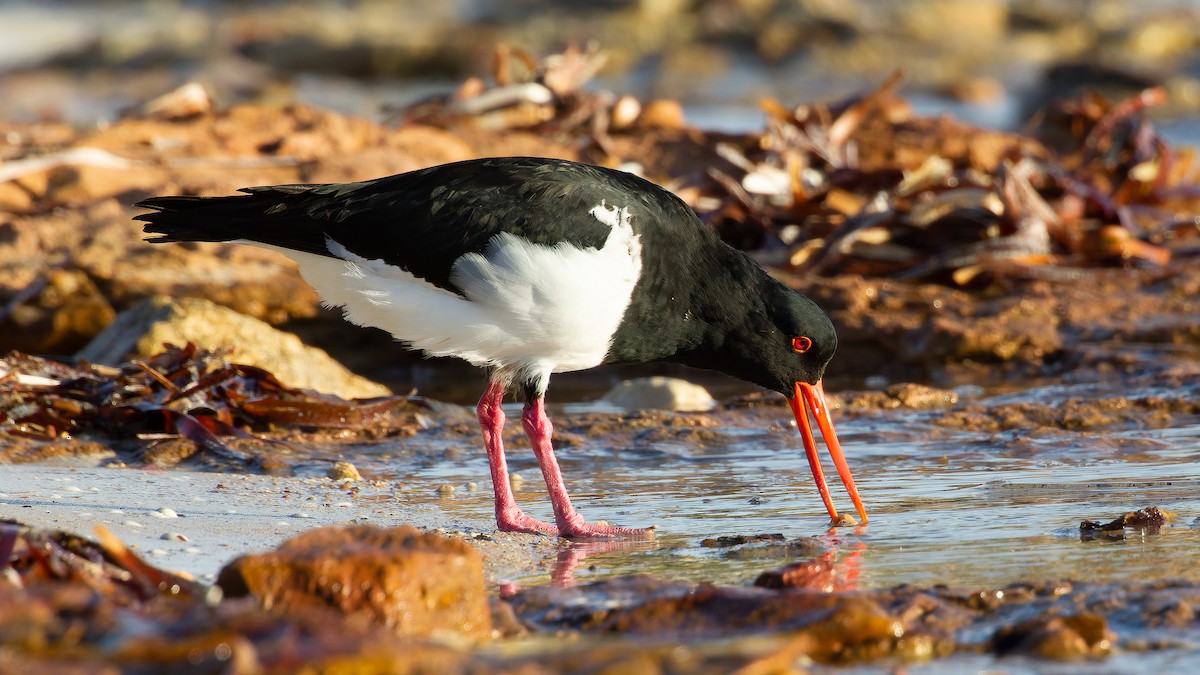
x=528 y=308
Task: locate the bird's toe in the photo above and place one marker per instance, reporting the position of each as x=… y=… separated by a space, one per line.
x=519 y=522
x=600 y=530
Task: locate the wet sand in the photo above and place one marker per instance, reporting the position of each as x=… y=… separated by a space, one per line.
x=222 y=516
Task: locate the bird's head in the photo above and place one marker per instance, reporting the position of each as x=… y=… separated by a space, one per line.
x=804 y=342
x=798 y=350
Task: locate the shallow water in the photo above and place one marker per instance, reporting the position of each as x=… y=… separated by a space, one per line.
x=967 y=509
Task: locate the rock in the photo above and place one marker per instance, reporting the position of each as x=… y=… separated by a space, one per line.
x=987 y=339
x=189 y=100
x=903 y=395
x=625 y=112
x=922 y=397
x=1061 y=638
x=343 y=471
x=143 y=329
x=662 y=114
x=66 y=309
x=417 y=584
x=659 y=393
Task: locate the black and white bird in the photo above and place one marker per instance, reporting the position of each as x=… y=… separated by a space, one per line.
x=529 y=267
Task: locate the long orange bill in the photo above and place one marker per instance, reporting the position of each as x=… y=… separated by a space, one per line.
x=811 y=398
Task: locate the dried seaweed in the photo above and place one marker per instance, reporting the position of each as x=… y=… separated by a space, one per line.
x=862 y=186
x=185 y=391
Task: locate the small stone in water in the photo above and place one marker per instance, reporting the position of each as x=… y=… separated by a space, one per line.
x=844 y=520
x=343 y=471
x=445 y=489
x=165 y=512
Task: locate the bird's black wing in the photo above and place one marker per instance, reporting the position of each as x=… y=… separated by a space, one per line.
x=421 y=221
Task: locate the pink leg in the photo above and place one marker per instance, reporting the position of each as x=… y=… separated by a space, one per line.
x=570 y=524
x=509 y=517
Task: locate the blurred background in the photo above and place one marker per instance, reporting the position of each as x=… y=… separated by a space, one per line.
x=106 y=102
x=986 y=61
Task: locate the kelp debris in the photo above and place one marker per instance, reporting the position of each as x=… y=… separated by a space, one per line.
x=864 y=186
x=1149 y=520
x=190 y=393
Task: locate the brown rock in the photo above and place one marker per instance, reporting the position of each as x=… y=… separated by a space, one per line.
x=259 y=283
x=17 y=450
x=65 y=311
x=417 y=584
x=919 y=396
x=995 y=338
x=904 y=395
x=143 y=329
x=1054 y=637
x=662 y=114
x=86 y=183
x=14 y=197
x=343 y=471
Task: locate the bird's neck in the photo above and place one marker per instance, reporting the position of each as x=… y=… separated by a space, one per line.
x=686 y=316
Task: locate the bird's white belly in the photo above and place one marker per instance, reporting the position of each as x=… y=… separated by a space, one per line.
x=529 y=308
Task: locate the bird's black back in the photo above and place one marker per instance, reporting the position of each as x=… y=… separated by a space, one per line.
x=424 y=220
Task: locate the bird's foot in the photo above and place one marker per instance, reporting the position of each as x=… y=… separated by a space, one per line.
x=578 y=528
x=516 y=521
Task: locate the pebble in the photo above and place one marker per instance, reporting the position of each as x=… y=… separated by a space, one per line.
x=343 y=471
x=660 y=393
x=301 y=514
x=74 y=488
x=165 y=512
x=192 y=549
x=472 y=486
x=157 y=552
x=445 y=489
x=845 y=520
x=174 y=536
x=133 y=523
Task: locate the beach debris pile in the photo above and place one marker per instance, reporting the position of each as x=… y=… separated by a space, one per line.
x=865 y=186
x=182 y=392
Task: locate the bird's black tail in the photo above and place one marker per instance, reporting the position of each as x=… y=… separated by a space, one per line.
x=262 y=215
x=192 y=218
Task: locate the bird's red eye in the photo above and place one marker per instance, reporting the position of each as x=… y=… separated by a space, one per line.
x=801 y=344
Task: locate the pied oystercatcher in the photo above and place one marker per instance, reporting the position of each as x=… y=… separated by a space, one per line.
x=528 y=267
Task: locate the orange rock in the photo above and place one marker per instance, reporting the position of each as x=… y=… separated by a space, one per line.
x=417 y=584
x=662 y=114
